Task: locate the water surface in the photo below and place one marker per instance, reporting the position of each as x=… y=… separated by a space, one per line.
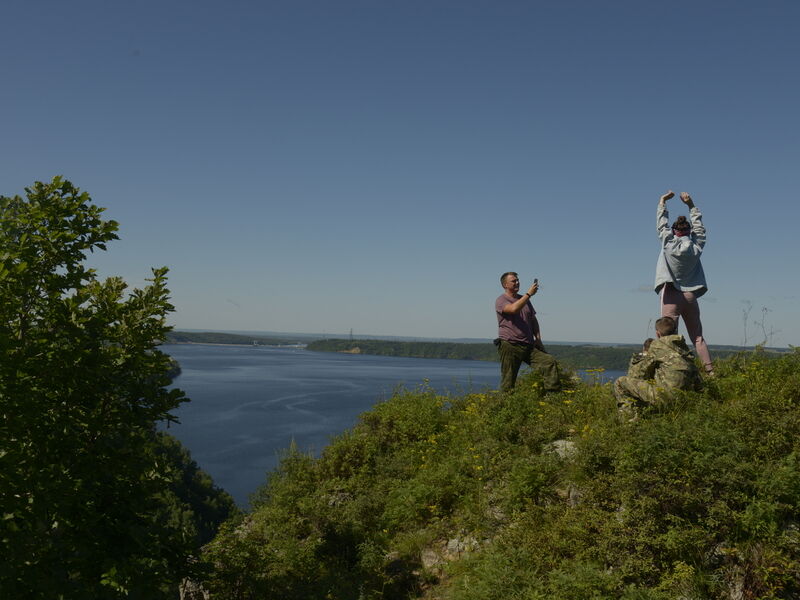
x=249 y=402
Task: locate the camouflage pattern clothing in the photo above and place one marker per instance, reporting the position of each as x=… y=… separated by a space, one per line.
x=668 y=365
x=638 y=366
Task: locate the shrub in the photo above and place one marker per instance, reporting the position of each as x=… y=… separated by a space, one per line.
x=697 y=499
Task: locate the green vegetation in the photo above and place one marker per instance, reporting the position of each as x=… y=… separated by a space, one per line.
x=533 y=496
x=95 y=503
x=174 y=369
x=217 y=337
x=519 y=496
x=453 y=350
x=575 y=357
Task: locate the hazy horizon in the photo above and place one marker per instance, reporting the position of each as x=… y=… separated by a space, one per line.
x=389 y=337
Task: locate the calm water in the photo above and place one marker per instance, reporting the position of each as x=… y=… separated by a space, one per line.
x=249 y=403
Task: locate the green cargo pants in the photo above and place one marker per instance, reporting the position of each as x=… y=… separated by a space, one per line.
x=513 y=355
x=631 y=389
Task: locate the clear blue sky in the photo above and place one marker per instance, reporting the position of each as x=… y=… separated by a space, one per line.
x=321 y=166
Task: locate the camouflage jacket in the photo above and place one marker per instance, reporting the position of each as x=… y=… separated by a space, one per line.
x=638 y=367
x=669 y=362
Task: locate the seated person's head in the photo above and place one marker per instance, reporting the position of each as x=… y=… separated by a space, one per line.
x=646 y=345
x=666 y=326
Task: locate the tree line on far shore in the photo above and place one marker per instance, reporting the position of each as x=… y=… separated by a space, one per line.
x=576 y=357
x=221 y=337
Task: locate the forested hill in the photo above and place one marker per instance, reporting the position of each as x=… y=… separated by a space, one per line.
x=576 y=357
x=220 y=337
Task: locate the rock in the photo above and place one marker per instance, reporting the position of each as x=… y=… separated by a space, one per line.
x=459 y=546
x=565 y=449
x=430 y=558
x=192 y=590
x=444 y=552
x=570 y=494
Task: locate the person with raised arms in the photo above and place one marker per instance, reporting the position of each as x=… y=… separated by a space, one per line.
x=680 y=279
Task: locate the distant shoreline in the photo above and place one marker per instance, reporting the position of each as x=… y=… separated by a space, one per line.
x=229 y=339
x=238 y=345
x=283 y=338
x=574 y=356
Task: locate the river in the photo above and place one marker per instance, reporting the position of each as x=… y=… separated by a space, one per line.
x=249 y=402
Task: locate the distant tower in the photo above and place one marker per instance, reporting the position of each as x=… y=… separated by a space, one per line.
x=351 y=334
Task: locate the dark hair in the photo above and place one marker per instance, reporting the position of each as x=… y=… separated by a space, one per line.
x=506 y=274
x=646 y=345
x=682 y=224
x=666 y=326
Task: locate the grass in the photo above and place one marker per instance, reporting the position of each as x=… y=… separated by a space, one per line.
x=531 y=495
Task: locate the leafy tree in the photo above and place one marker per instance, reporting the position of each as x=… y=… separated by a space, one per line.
x=85 y=505
x=194 y=490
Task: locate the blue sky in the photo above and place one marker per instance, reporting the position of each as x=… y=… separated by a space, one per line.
x=321 y=166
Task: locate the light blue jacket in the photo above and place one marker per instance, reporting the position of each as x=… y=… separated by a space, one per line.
x=679 y=259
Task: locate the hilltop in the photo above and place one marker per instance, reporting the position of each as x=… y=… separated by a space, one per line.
x=539 y=497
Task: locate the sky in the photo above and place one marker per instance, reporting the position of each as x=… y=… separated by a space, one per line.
x=374 y=166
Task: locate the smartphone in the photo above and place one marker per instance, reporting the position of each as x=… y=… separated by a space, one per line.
x=535 y=281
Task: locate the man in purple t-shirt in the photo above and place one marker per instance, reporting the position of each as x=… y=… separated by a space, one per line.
x=519 y=339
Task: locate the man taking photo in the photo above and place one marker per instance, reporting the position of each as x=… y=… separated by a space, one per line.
x=519 y=338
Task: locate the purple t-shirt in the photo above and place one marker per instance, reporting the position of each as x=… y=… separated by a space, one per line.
x=514 y=328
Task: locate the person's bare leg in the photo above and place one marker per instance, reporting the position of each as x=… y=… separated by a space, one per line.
x=691 y=316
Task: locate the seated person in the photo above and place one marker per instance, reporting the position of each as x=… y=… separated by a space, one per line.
x=637 y=365
x=666 y=365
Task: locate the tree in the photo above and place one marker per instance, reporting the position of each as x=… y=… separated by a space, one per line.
x=84 y=489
